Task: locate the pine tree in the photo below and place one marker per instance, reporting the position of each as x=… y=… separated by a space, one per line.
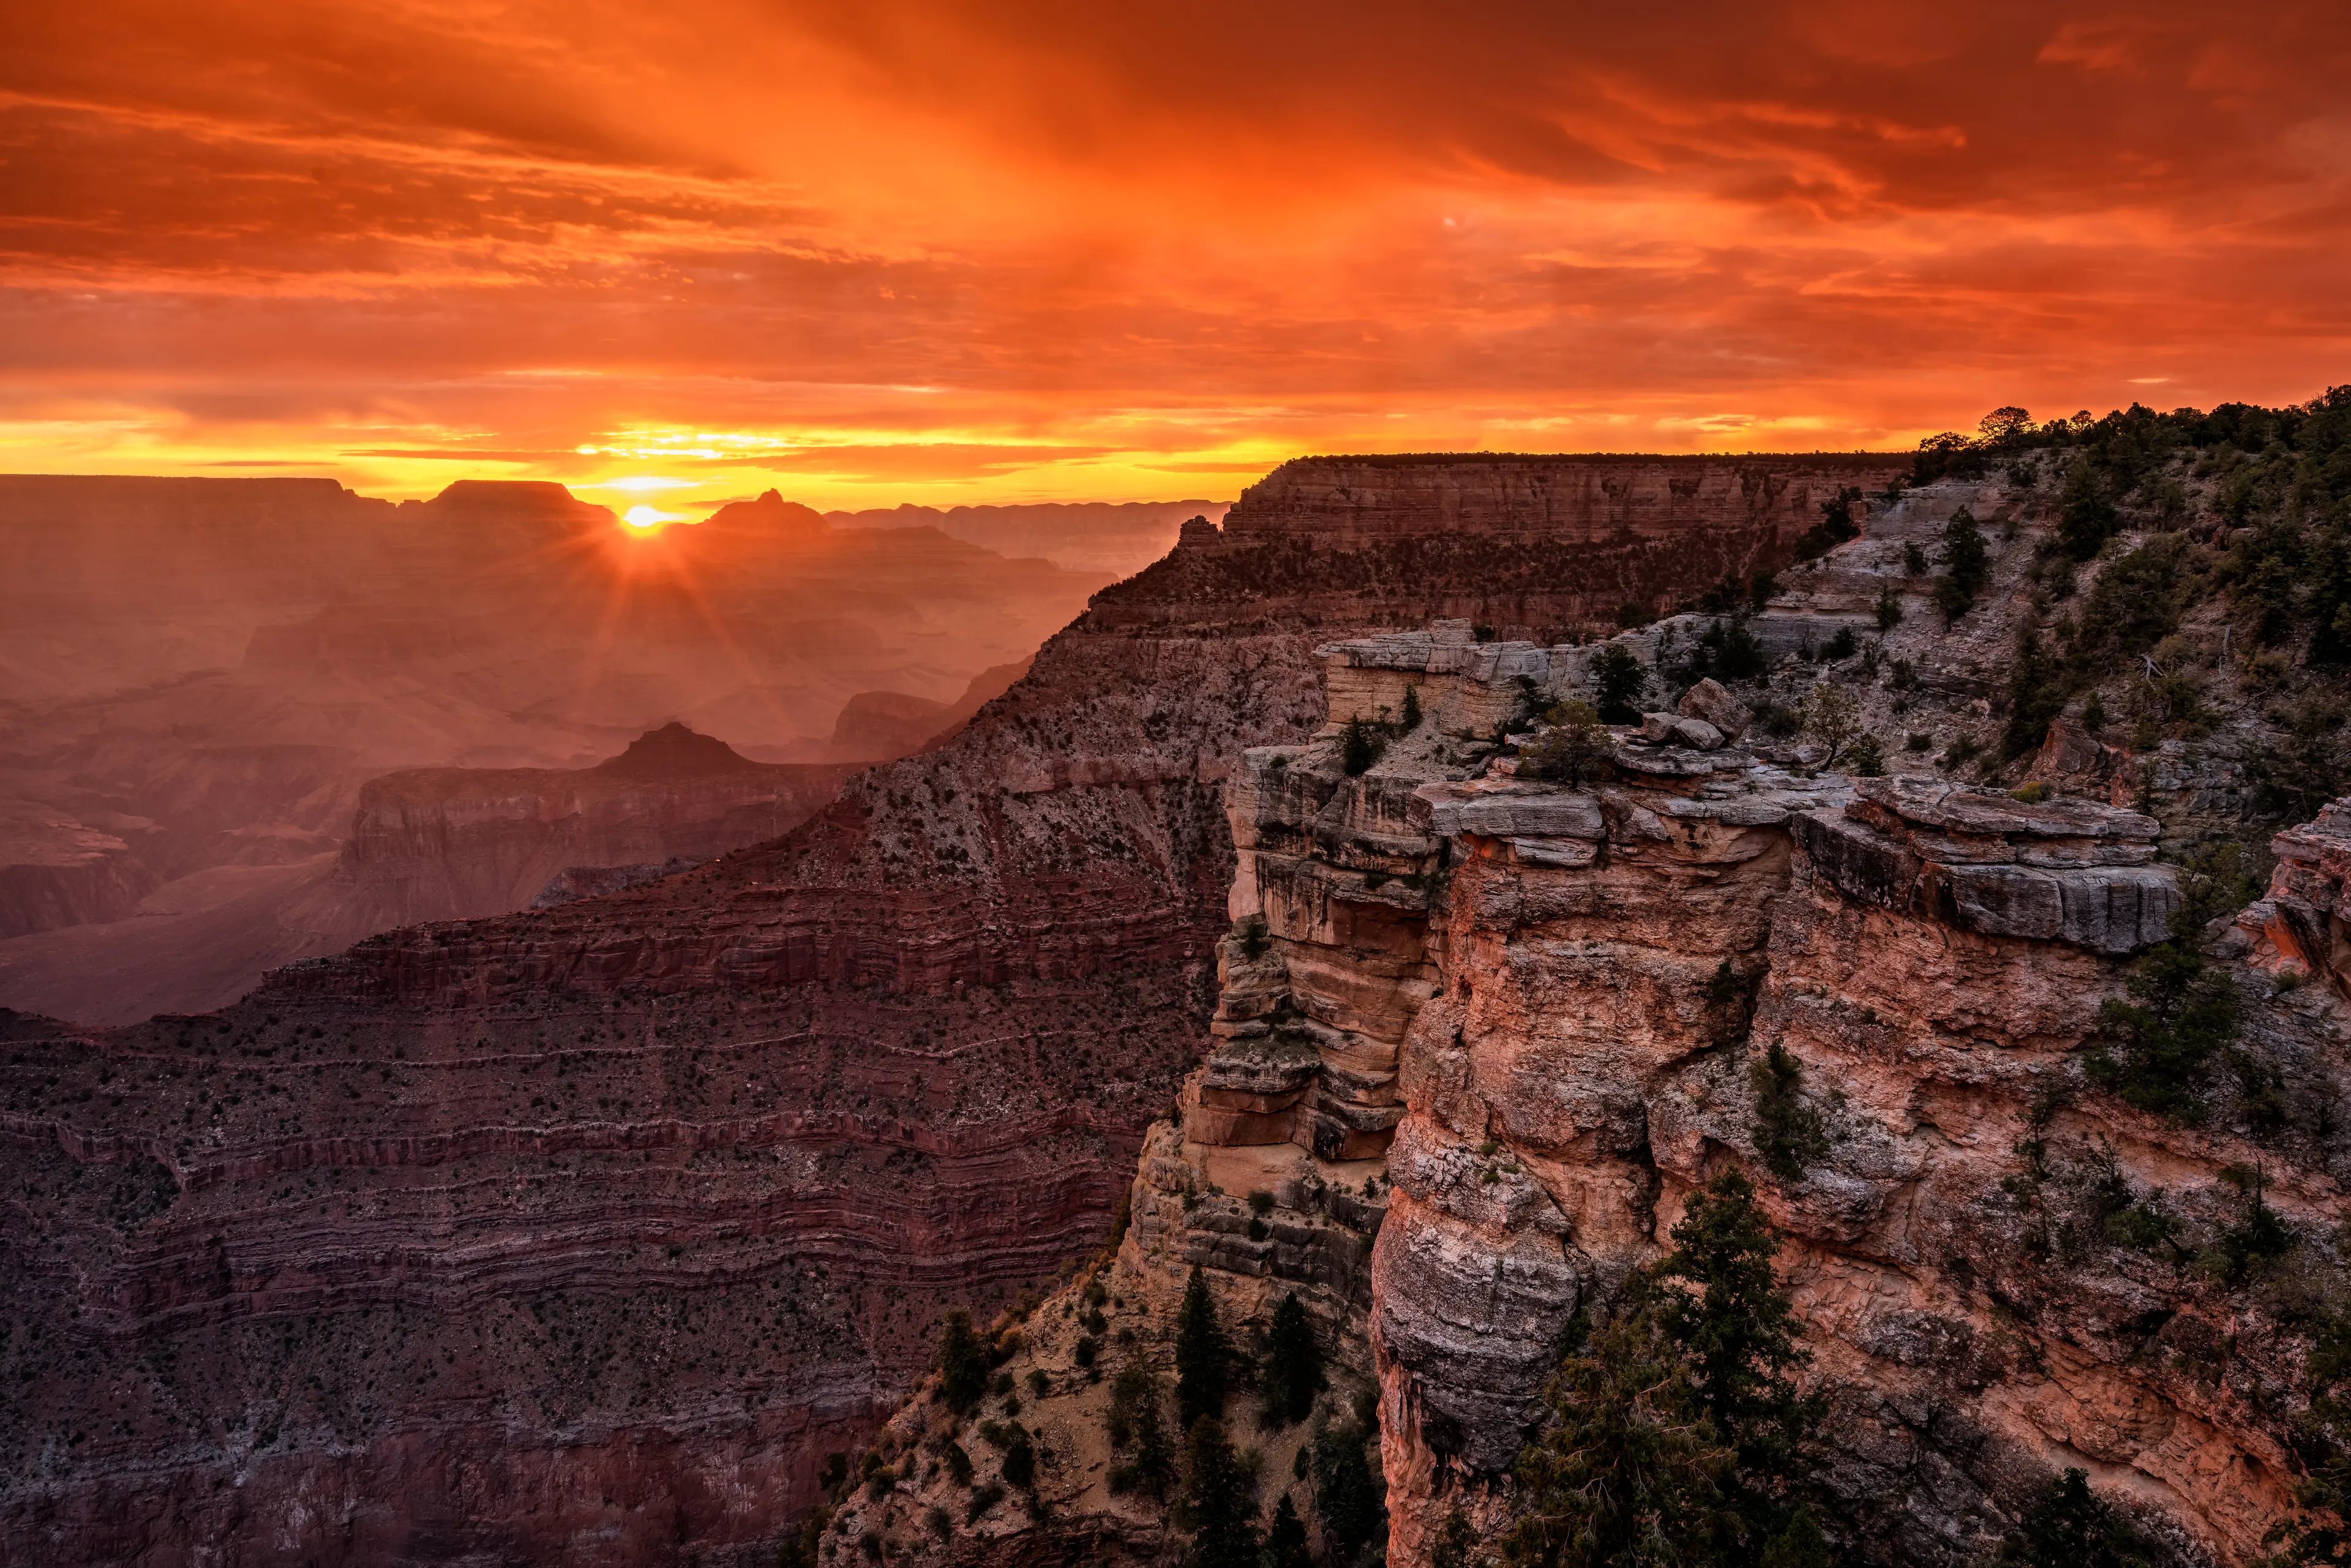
x=2034 y=698
x=963 y=1363
x=1620 y=680
x=2319 y=1531
x=1410 y=719
x=2330 y=597
x=1629 y=1470
x=1136 y=1423
x=1718 y=1299
x=1455 y=1540
x=1202 y=1354
x=1967 y=565
x=1359 y=747
x=1346 y=1495
x=1285 y=1542
x=1217 y=1505
x=1675 y=1437
x=1293 y=1364
x=2161 y=1046
x=2084 y=516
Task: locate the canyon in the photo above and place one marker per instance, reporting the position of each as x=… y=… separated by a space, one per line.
x=201 y=678
x=592 y=1229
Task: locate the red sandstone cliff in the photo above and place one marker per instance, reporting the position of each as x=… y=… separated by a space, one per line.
x=1543 y=1011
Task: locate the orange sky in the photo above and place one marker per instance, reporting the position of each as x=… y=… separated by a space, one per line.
x=943 y=250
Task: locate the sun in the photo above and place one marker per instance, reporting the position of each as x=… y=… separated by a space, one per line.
x=647 y=518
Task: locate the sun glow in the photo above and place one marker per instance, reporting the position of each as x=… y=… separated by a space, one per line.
x=648 y=518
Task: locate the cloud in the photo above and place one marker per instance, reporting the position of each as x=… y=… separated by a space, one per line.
x=936 y=249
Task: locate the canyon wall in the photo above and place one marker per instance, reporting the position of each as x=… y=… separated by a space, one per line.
x=649 y=1200
x=1534 y=1015
x=1561 y=994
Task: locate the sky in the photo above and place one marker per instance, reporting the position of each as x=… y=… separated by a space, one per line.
x=874 y=251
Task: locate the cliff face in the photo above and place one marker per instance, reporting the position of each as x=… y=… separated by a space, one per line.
x=1528 y=545
x=1546 y=1012
x=1565 y=992
x=453 y=843
x=659 y=1195
x=58 y=871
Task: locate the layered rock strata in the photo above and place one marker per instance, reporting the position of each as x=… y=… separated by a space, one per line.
x=451 y=844
x=1578 y=982
x=663 y=1191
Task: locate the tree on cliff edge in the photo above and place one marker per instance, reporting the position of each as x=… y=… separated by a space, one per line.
x=1202 y=1354
x=1619 y=680
x=1675 y=1436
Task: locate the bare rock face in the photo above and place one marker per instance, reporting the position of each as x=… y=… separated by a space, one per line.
x=55 y=870
x=587 y=1231
x=2305 y=923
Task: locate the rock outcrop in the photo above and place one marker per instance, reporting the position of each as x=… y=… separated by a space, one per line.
x=1542 y=1011
x=55 y=871
x=2305 y=923
x=1571 y=985
x=657 y=1195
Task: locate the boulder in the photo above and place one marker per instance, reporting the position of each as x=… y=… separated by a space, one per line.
x=1708 y=701
x=1696 y=732
x=1658 y=728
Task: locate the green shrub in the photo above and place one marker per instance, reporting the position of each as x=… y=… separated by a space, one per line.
x=1577 y=748
x=1789 y=1132
x=962 y=1364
